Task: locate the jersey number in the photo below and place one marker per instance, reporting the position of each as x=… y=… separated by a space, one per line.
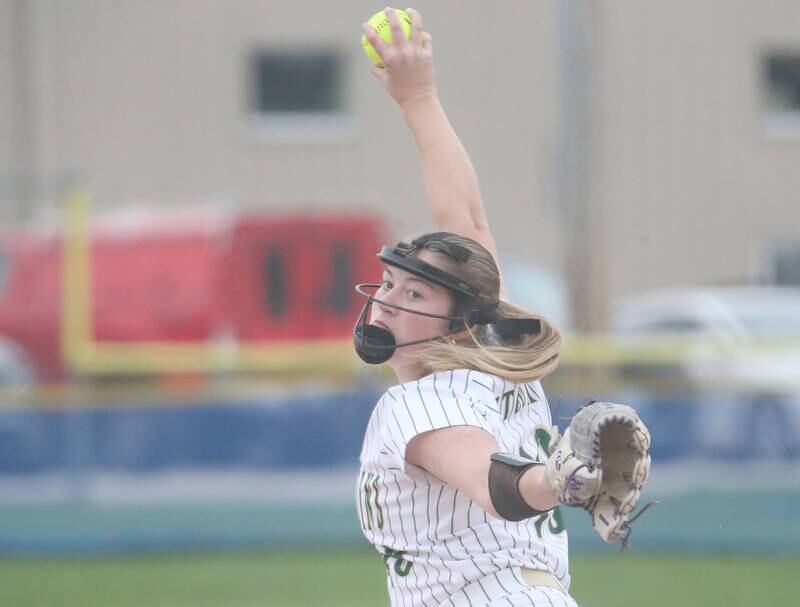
x=373 y=514
x=402 y=567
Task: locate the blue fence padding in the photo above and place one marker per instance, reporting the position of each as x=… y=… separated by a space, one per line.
x=281 y=433
x=722 y=427
x=327 y=430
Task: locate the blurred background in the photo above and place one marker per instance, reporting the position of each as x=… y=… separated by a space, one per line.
x=189 y=191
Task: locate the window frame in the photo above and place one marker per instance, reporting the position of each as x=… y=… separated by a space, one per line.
x=301 y=127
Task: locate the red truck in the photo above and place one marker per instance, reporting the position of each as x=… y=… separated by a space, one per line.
x=188 y=277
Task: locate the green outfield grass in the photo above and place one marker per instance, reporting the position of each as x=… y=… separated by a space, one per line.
x=355 y=578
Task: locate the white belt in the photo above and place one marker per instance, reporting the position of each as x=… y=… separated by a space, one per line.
x=539 y=577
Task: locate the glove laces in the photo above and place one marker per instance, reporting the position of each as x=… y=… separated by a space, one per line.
x=624 y=541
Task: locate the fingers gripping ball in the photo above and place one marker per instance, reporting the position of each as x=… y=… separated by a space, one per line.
x=380 y=23
x=601 y=464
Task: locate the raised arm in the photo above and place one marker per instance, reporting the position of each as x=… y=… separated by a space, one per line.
x=450 y=181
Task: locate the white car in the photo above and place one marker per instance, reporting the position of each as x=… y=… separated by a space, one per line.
x=737 y=352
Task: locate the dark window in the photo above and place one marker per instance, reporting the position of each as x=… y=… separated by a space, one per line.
x=340 y=292
x=781 y=82
x=275 y=281
x=301 y=81
x=786 y=264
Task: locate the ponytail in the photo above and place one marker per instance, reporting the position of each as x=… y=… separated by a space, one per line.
x=507 y=346
x=522 y=358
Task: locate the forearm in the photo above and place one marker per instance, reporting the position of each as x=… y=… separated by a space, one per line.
x=451 y=183
x=536 y=490
x=461 y=457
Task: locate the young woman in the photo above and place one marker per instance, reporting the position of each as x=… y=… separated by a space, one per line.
x=455 y=523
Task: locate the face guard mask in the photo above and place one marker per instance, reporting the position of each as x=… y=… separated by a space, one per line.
x=375 y=344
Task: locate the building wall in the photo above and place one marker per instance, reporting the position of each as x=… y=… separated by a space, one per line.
x=7 y=167
x=690 y=183
x=152 y=106
x=146 y=101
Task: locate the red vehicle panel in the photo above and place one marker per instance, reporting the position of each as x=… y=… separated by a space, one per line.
x=255 y=278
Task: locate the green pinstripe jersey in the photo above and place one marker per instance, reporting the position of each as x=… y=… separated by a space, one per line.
x=438 y=545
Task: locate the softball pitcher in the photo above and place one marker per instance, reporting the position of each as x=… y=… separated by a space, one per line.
x=457 y=488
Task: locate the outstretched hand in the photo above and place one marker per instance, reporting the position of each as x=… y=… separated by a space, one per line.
x=407 y=72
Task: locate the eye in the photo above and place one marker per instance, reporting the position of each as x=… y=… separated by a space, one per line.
x=412 y=294
x=386 y=285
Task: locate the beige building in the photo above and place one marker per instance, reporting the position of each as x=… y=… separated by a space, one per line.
x=633 y=144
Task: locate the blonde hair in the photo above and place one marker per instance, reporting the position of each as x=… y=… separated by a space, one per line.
x=523 y=358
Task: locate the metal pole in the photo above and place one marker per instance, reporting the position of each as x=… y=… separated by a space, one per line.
x=22 y=142
x=31 y=183
x=582 y=228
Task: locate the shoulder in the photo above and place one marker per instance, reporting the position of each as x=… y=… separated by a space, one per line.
x=462 y=383
x=438 y=400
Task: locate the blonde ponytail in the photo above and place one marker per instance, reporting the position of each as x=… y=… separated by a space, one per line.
x=527 y=358
x=521 y=358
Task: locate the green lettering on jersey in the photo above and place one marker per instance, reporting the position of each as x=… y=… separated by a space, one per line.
x=514 y=401
x=401 y=566
x=555 y=522
x=378 y=508
x=374 y=516
x=543 y=438
x=367 y=505
x=554 y=518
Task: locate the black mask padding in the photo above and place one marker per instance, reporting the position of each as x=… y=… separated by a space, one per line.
x=480 y=316
x=476 y=316
x=374 y=344
x=515 y=328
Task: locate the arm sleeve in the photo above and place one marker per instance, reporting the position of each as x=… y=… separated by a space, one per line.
x=431 y=405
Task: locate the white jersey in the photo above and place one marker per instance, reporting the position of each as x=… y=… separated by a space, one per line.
x=439 y=546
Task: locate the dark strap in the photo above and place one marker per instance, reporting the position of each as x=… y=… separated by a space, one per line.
x=514 y=328
x=505 y=472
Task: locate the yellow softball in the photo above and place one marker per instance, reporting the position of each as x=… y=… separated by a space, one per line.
x=380 y=23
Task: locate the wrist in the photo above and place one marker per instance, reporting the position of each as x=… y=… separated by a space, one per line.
x=420 y=101
x=536 y=489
